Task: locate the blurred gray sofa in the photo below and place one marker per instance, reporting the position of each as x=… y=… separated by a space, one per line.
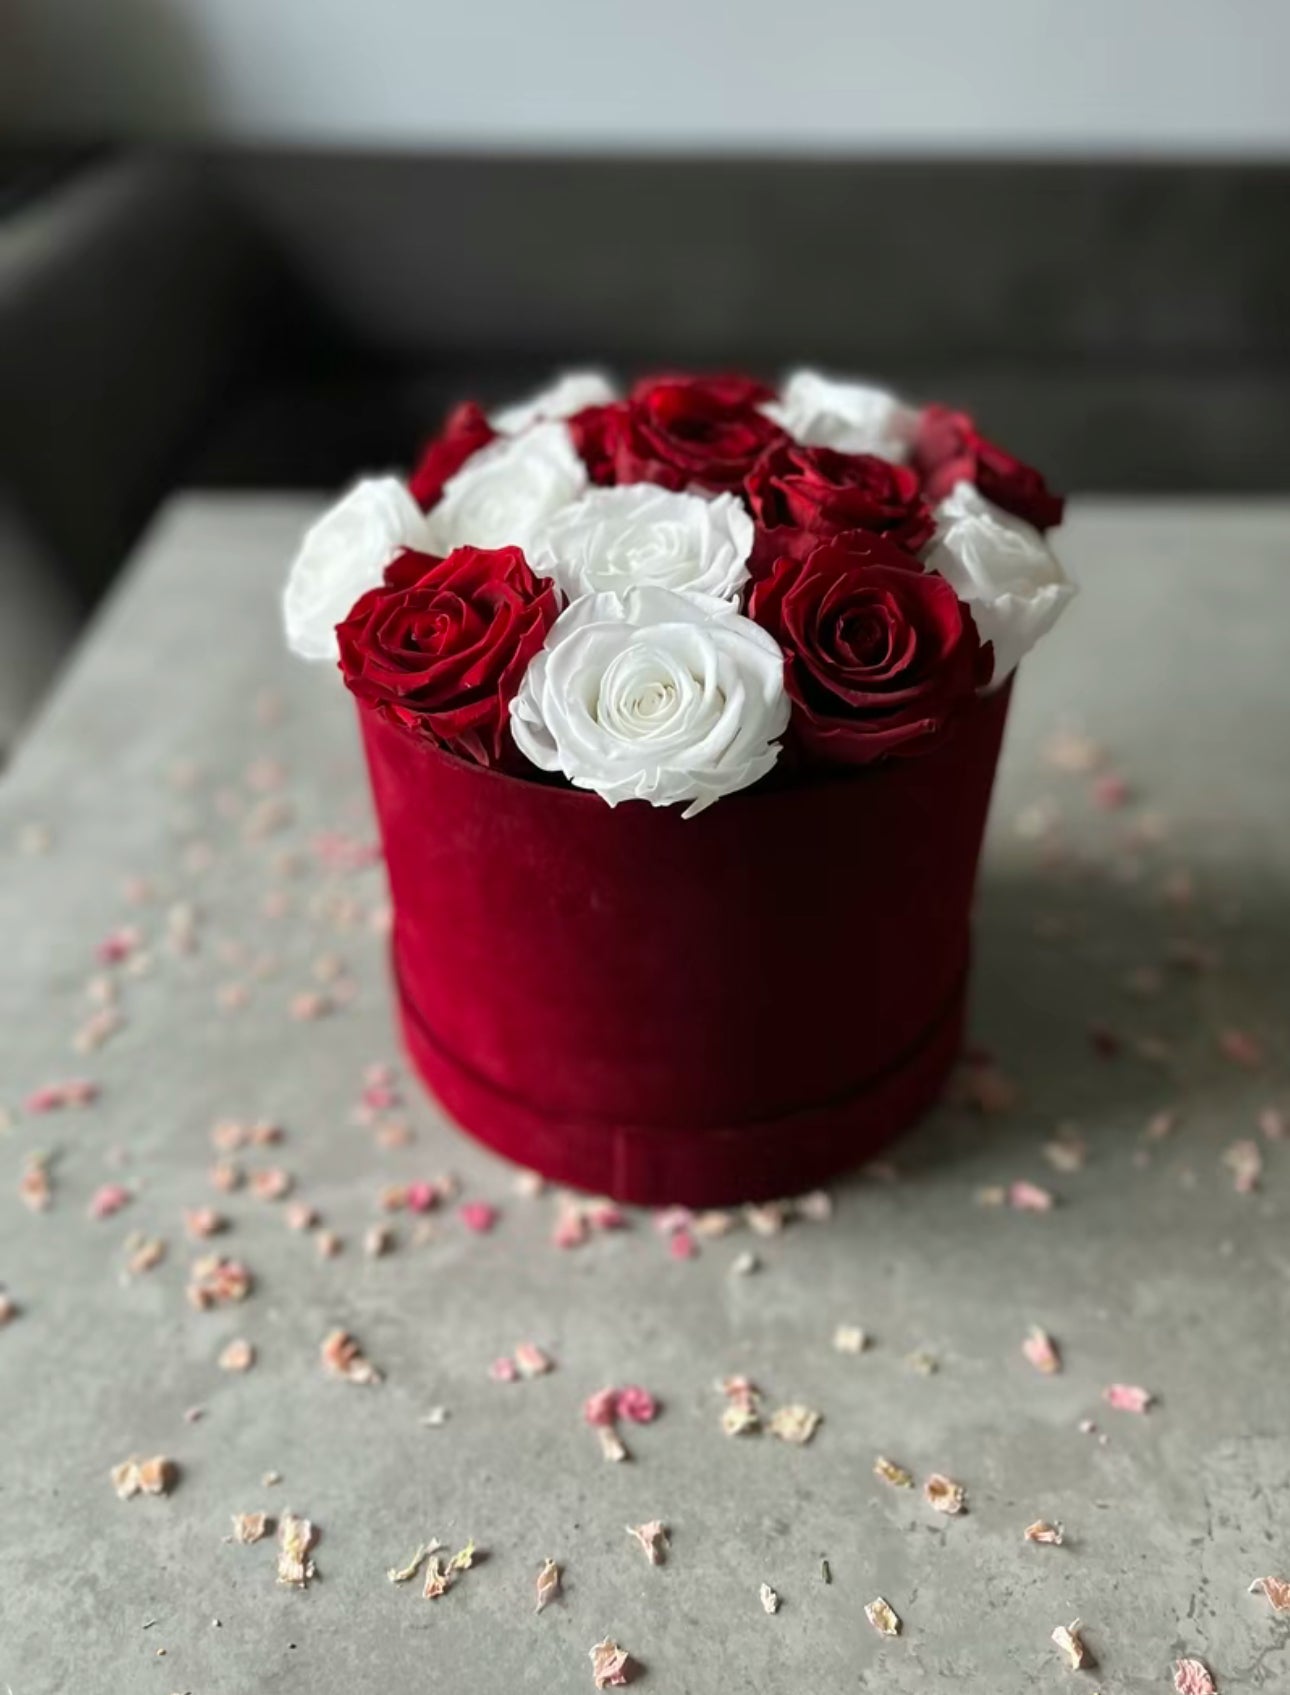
x=250 y=318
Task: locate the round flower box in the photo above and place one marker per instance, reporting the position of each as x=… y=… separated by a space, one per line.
x=707 y=1010
x=682 y=709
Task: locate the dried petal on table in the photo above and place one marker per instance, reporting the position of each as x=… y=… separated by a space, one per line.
x=532 y=1361
x=652 y=1537
x=892 y=1473
x=215 y=1281
x=270 y=1185
x=883 y=1617
x=1243 y=1049
x=54 y=1097
x=1029 y=1197
x=682 y=1245
x=767 y=1219
x=201 y=1222
x=503 y=1370
x=1067 y=1152
x=296 y=1536
x=134 y=1476
x=612 y=1446
x=1072 y=1644
x=251 y=1527
x=1127 y=1397
x=464 y=1558
x=108 y=1200
x=8 y=1308
x=769 y=1599
x=1275 y=1590
x=143 y=1253
x=478 y=1216
x=547 y=1586
x=405 y=1573
x=636 y=1404
x=850 y=1339
x=237 y=1355
x=1041 y=1531
x=1274 y=1124
x=794 y=1423
x=601 y=1409
x=816 y=1206
x=609 y=1664
x=744 y=1263
x=34 y=1187
x=342 y=1357
x=1193 y=1677
x=1041 y=1351
x=378 y=1239
x=1244 y=1159
x=944 y=1494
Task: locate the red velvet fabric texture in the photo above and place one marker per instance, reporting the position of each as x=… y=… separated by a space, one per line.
x=704 y=1011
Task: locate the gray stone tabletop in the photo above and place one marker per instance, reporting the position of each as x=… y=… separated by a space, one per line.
x=192 y=922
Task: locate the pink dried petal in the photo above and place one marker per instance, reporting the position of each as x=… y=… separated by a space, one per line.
x=270 y=1185
x=308 y=1006
x=201 y=1222
x=1275 y=1590
x=682 y=1245
x=1029 y=1197
x=816 y=1207
x=251 y=1527
x=237 y=1355
x=548 y=1584
x=1127 y=1397
x=636 y=1404
x=8 y=1308
x=420 y=1197
x=117 y=946
x=214 y=1281
x=296 y=1536
x=610 y=1664
x=1040 y=1349
x=571 y=1227
x=1111 y=792
x=1244 y=1159
x=944 y=1495
x=1244 y=1049
x=1072 y=1644
x=1041 y=1531
x=378 y=1240
x=34 y=1187
x=1273 y=1124
x=503 y=1370
x=607 y=1215
x=301 y=1216
x=226 y=1176
x=342 y=1357
x=669 y=1219
x=108 y=1200
x=1192 y=1677
x=478 y=1216
x=143 y=1253
x=652 y=1538
x=601 y=1409
x=327 y=1244
x=53 y=1097
x=533 y=1361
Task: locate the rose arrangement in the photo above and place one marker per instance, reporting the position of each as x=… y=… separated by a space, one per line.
x=662 y=596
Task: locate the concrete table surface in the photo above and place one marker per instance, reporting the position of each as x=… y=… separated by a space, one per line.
x=191 y=783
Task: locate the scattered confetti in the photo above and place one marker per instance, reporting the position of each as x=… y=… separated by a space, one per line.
x=1068 y=1639
x=944 y=1494
x=342 y=1357
x=1193 y=1677
x=652 y=1538
x=609 y=1664
x=547 y=1585
x=1041 y=1351
x=1275 y=1590
x=156 y=1476
x=1127 y=1397
x=1041 y=1531
x=883 y=1617
x=296 y=1537
x=769 y=1599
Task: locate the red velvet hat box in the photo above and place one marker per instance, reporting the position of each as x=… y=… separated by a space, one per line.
x=703 y=1011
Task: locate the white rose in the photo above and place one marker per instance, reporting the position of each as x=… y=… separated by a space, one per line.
x=1004 y=569
x=616 y=537
x=342 y=556
x=653 y=695
x=567 y=395
x=850 y=417
x=506 y=491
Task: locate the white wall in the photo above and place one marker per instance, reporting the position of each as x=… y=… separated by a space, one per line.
x=1156 y=76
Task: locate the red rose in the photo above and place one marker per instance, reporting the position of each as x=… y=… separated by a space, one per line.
x=801 y=496
x=949 y=449
x=879 y=655
x=442 y=645
x=465 y=431
x=678 y=431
